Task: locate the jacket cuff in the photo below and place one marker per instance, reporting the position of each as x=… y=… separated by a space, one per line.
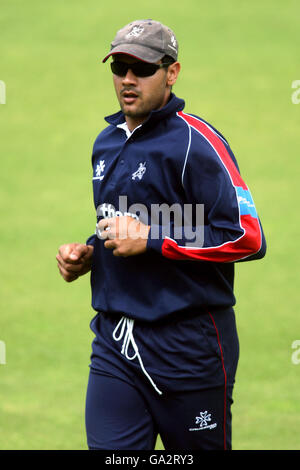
x=91 y=240
x=153 y=242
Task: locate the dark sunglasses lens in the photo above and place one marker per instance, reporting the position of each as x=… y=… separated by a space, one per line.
x=119 y=68
x=139 y=69
x=144 y=70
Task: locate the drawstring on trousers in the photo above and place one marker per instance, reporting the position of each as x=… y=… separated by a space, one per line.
x=128 y=339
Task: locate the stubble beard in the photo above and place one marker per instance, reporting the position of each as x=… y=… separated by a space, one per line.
x=139 y=113
x=134 y=114
x=143 y=110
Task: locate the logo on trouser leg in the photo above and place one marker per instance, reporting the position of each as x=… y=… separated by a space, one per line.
x=203 y=421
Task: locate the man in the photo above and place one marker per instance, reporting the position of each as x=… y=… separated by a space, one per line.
x=165 y=351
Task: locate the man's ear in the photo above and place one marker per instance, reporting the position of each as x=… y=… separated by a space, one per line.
x=172 y=73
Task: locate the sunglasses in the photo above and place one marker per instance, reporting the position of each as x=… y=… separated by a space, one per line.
x=139 y=69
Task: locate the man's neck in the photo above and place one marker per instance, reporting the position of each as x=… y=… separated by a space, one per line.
x=132 y=124
x=126 y=129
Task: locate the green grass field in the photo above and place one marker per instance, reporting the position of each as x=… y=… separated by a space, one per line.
x=239 y=60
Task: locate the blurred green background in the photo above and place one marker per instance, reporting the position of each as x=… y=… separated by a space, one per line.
x=239 y=60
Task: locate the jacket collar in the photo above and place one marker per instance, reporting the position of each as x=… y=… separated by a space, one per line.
x=174 y=105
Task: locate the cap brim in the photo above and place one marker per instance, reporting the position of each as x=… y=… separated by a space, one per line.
x=139 y=52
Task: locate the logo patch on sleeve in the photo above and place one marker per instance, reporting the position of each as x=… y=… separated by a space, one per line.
x=245 y=201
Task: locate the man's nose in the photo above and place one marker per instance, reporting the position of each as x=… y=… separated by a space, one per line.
x=129 y=78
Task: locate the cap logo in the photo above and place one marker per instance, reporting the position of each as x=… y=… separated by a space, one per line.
x=135 y=32
x=174 y=44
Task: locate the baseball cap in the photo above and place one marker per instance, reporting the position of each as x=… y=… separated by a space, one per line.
x=147 y=40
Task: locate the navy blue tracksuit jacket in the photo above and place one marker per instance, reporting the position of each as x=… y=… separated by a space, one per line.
x=165 y=331
x=174 y=157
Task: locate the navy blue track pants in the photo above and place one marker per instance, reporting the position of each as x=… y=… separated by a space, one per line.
x=174 y=378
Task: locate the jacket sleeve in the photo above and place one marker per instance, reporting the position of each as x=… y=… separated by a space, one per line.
x=230 y=229
x=91 y=240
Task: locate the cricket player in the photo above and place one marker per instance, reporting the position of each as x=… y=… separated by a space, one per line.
x=173 y=216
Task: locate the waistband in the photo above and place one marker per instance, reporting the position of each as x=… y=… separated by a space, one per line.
x=178 y=352
x=173 y=317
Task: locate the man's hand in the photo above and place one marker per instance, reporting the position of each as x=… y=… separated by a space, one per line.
x=74 y=260
x=124 y=235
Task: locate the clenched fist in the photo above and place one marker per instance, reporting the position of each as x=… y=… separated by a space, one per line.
x=74 y=260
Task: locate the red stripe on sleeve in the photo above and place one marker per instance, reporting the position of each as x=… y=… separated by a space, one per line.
x=246 y=244
x=218 y=146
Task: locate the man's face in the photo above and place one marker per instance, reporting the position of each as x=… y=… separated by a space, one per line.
x=138 y=96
